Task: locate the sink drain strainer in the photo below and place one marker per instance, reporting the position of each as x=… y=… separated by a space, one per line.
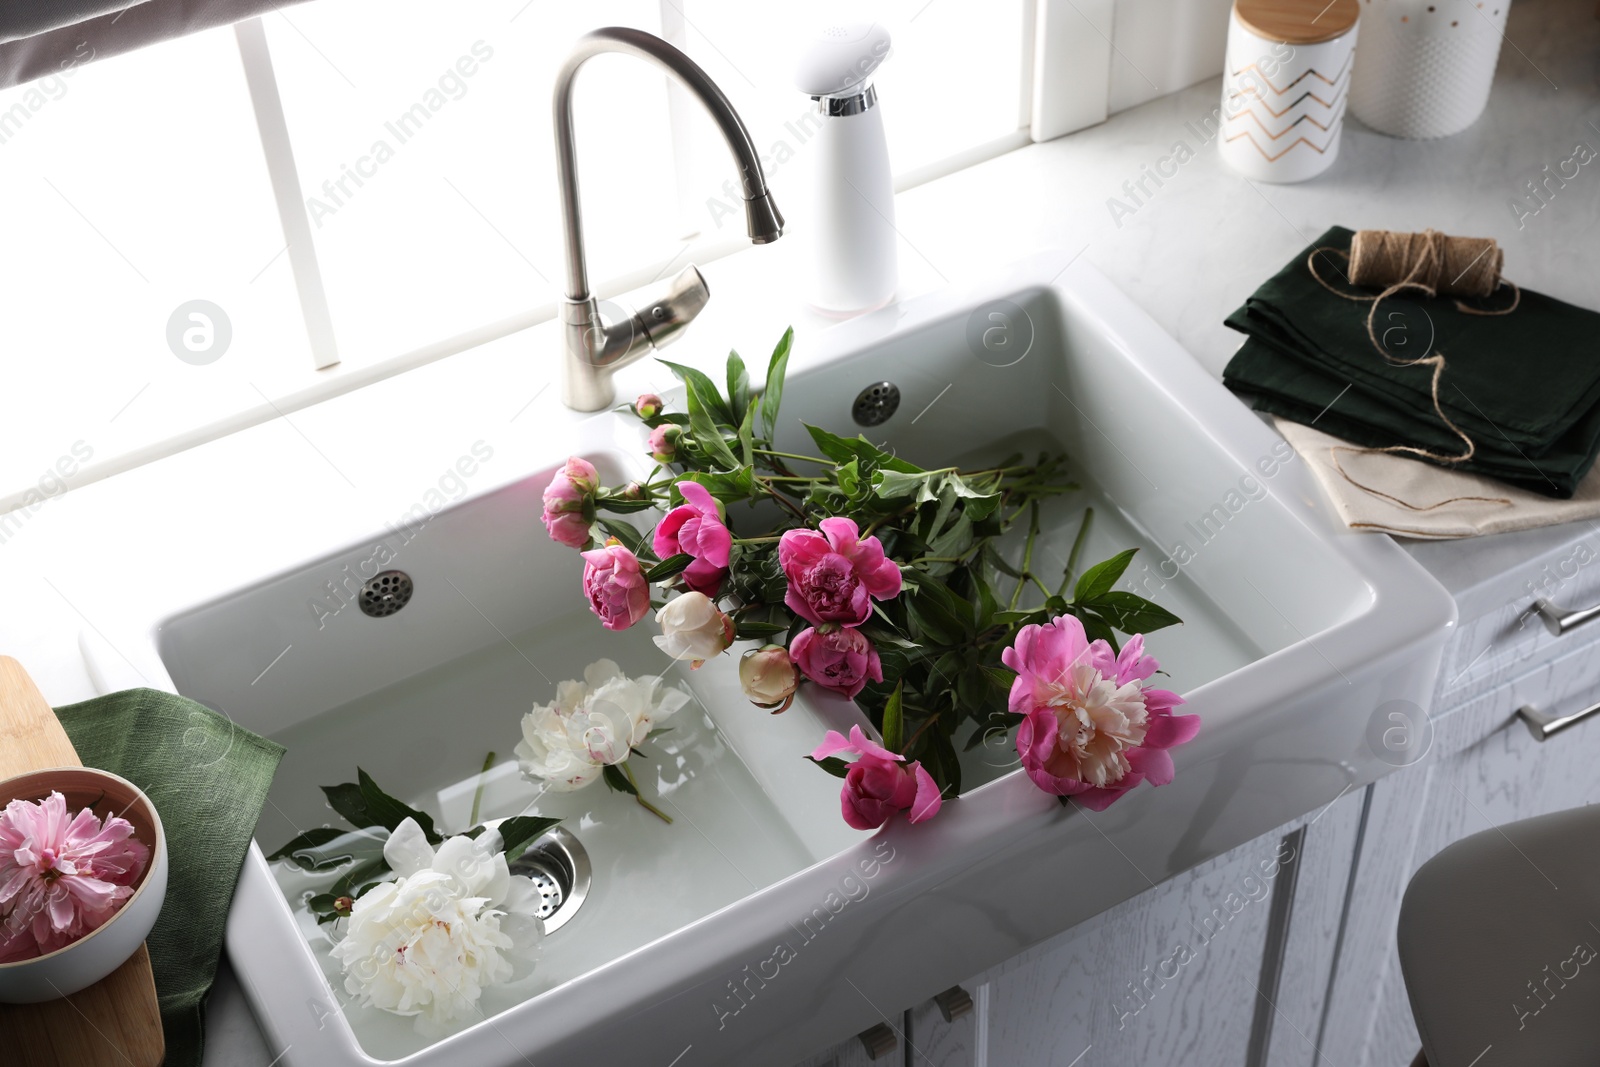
x=385 y=593
x=875 y=404
x=559 y=868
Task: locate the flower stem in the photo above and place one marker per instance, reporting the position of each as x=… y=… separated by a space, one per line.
x=1077 y=548
x=477 y=797
x=793 y=455
x=643 y=803
x=1027 y=553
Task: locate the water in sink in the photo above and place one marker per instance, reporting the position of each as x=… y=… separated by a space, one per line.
x=726 y=841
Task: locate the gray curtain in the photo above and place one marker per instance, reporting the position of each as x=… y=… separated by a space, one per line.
x=40 y=37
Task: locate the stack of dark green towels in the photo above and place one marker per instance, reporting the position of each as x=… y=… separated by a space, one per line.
x=1524 y=386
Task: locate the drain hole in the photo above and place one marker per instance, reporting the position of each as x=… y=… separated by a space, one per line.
x=875 y=404
x=559 y=868
x=385 y=593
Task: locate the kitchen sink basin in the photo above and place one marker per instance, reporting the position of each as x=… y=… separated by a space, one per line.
x=757 y=926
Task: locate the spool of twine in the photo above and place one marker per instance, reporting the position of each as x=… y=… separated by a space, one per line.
x=1449 y=266
x=1433 y=264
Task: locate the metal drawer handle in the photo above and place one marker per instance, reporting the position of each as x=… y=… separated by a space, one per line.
x=1558 y=620
x=1544 y=726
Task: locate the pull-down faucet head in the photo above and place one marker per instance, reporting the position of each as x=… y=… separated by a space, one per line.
x=595 y=350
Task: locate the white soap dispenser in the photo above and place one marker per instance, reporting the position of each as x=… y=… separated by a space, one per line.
x=849 y=229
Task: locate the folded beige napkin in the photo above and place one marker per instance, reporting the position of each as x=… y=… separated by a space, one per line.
x=1393 y=494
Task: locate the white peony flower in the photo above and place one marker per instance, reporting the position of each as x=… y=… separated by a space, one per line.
x=693 y=629
x=453 y=923
x=768 y=676
x=592 y=723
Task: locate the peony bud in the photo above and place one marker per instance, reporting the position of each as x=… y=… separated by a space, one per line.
x=693 y=629
x=768 y=677
x=569 y=502
x=648 y=406
x=664 y=442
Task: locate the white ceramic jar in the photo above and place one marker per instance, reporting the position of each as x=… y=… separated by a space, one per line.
x=1426 y=65
x=1284 y=84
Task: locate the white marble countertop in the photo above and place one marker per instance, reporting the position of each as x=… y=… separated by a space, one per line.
x=1189 y=254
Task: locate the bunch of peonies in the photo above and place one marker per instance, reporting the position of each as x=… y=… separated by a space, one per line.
x=61 y=876
x=592 y=724
x=452 y=923
x=1087 y=728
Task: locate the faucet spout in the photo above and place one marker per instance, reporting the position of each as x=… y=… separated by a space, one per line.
x=595 y=349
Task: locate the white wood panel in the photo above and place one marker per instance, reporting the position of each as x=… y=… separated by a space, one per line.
x=936 y=1043
x=1315 y=920
x=1166 y=978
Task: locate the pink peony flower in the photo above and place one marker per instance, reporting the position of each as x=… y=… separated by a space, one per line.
x=1090 y=731
x=696 y=527
x=664 y=442
x=569 y=502
x=615 y=585
x=61 y=878
x=879 y=783
x=837 y=658
x=832 y=574
x=648 y=406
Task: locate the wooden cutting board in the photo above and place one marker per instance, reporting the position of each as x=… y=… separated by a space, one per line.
x=116 y=1021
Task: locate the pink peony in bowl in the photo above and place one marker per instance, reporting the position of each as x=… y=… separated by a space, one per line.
x=95 y=954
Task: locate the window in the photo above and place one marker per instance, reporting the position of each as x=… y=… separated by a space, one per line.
x=421 y=142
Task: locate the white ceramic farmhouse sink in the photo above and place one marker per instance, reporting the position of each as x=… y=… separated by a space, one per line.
x=758 y=927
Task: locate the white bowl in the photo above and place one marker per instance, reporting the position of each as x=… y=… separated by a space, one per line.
x=103 y=950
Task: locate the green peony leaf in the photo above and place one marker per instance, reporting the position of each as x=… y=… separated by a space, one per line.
x=618 y=781
x=833 y=765
x=841 y=449
x=1132 y=613
x=389 y=813
x=346 y=799
x=772 y=395
x=894 y=724
x=520 y=831
x=704 y=430
x=307 y=842
x=696 y=382
x=631 y=539
x=668 y=567
x=1099 y=579
x=738 y=388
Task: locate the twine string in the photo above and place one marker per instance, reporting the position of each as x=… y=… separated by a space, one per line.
x=1433 y=264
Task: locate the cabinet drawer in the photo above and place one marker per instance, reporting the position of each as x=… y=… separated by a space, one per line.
x=1502 y=638
x=1558 y=685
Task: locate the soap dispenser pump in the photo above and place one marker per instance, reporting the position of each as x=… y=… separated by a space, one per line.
x=849 y=228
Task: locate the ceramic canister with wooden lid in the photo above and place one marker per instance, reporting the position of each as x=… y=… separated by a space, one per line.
x=1284 y=85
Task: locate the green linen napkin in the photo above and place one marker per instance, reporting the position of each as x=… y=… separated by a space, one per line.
x=1525 y=386
x=208 y=779
x=1278 y=383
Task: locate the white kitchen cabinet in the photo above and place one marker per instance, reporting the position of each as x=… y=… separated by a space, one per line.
x=1485 y=770
x=1203 y=968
